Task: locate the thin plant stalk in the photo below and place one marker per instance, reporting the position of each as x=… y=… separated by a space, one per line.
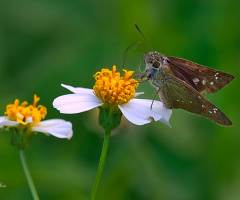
x=27 y=174
x=101 y=164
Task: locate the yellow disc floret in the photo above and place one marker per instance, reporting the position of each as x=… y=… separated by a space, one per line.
x=111 y=88
x=24 y=114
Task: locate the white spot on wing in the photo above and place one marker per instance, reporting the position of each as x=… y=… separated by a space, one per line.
x=195 y=80
x=203 y=82
x=211 y=83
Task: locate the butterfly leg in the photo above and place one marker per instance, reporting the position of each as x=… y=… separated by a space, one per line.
x=156 y=93
x=142 y=74
x=142 y=80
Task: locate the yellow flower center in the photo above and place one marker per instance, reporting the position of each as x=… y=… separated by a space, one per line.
x=111 y=88
x=26 y=114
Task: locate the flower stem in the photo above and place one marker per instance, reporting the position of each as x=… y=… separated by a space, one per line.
x=101 y=164
x=27 y=174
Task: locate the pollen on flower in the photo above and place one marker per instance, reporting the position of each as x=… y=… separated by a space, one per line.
x=26 y=114
x=111 y=88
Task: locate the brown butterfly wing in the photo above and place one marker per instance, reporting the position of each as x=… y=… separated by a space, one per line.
x=175 y=93
x=200 y=77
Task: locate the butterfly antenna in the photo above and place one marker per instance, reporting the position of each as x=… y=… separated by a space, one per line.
x=131 y=46
x=143 y=36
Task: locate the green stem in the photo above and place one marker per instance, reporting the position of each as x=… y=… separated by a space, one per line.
x=101 y=164
x=27 y=174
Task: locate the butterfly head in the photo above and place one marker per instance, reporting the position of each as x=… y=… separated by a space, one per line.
x=153 y=60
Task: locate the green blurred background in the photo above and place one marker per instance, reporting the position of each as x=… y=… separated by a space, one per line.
x=46 y=43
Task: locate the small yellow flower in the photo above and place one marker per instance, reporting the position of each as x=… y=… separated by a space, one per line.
x=24 y=120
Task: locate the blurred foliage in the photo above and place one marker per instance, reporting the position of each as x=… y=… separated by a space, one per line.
x=46 y=43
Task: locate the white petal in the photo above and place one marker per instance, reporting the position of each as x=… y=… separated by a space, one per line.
x=29 y=120
x=4 y=121
x=138 y=111
x=76 y=103
x=157 y=107
x=56 y=127
x=78 y=89
x=138 y=93
x=165 y=112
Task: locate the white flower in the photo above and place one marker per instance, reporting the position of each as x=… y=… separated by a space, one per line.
x=29 y=118
x=136 y=111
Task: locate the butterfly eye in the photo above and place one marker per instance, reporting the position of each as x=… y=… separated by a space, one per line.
x=156 y=64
